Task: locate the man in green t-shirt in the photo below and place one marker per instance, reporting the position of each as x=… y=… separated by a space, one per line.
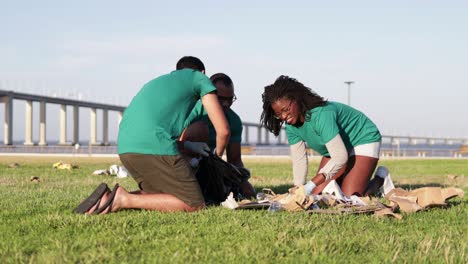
x=149 y=145
x=225 y=92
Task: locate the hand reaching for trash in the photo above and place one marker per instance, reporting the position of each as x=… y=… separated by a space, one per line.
x=197 y=147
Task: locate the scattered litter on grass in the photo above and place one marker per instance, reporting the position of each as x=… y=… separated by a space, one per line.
x=64 y=166
x=114 y=170
x=35 y=179
x=333 y=201
x=13 y=165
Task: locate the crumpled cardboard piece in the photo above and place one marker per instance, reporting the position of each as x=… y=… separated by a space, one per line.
x=451 y=192
x=293 y=200
x=326 y=200
x=387 y=212
x=422 y=198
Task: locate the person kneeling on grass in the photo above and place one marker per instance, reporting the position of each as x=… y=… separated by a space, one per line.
x=348 y=140
x=148 y=144
x=201 y=129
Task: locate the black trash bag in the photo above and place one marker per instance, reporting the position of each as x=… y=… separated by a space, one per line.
x=217 y=178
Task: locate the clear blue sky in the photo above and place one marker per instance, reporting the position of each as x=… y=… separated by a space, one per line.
x=409 y=59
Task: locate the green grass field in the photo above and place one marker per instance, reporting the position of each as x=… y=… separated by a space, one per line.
x=37 y=226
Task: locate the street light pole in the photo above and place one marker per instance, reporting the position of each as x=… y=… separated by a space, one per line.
x=349 y=91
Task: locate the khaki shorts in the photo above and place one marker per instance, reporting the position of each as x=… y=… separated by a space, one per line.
x=164 y=174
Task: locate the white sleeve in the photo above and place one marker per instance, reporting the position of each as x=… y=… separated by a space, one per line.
x=300 y=163
x=339 y=157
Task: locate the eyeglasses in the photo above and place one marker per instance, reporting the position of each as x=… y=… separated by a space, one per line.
x=229 y=99
x=283 y=111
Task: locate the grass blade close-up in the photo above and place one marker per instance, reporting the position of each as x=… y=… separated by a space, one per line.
x=37 y=224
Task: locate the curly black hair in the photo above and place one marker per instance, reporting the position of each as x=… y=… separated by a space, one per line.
x=290 y=88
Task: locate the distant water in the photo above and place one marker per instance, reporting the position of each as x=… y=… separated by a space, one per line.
x=404 y=150
x=56 y=142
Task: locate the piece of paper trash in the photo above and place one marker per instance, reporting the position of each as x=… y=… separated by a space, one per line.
x=114 y=170
x=118 y=171
x=230 y=202
x=334 y=189
x=64 y=166
x=387 y=185
x=101 y=172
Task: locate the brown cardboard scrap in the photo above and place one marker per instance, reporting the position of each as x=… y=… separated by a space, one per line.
x=406 y=204
x=451 y=192
x=328 y=200
x=422 y=198
x=428 y=196
x=293 y=199
x=387 y=212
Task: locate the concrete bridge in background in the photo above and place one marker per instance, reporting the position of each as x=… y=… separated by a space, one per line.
x=253 y=135
x=7 y=98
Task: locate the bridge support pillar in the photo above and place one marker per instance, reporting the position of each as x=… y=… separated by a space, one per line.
x=8 y=123
x=259 y=135
x=42 y=124
x=28 y=128
x=63 y=125
x=105 y=127
x=246 y=141
x=93 y=127
x=76 y=125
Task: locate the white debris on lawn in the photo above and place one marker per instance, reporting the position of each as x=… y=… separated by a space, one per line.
x=334 y=189
x=387 y=185
x=230 y=202
x=114 y=170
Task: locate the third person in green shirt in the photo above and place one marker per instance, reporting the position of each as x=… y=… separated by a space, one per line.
x=226 y=96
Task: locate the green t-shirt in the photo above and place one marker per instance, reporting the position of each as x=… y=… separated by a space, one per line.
x=330 y=120
x=155 y=118
x=234 y=121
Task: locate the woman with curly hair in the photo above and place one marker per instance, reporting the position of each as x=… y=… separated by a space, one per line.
x=348 y=141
